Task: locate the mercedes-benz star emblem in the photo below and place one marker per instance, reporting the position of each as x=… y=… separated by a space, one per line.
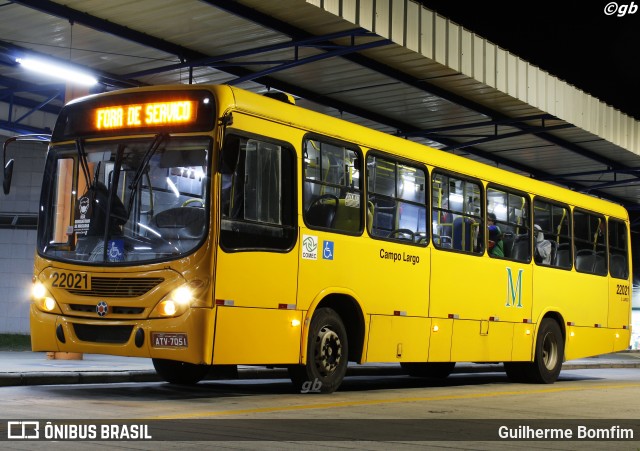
x=102 y=308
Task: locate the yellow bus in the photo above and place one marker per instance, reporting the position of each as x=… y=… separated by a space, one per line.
x=206 y=226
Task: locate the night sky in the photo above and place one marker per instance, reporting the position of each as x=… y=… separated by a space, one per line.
x=573 y=40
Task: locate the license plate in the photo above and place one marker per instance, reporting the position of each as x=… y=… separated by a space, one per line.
x=169 y=340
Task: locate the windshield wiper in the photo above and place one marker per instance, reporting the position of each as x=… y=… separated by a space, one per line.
x=153 y=147
x=147 y=156
x=82 y=160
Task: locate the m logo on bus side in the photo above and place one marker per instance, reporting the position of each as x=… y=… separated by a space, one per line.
x=514 y=292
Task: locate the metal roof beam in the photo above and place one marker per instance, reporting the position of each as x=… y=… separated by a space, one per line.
x=223 y=60
x=531 y=131
x=22 y=129
x=55 y=9
x=28 y=103
x=267 y=21
x=64 y=12
x=105 y=78
x=430 y=131
x=310 y=59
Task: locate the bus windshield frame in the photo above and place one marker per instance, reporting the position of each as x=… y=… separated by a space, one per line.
x=155 y=192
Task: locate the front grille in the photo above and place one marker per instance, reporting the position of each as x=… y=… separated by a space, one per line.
x=117 y=310
x=119 y=287
x=103 y=334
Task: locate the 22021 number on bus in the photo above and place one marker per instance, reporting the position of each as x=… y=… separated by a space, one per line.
x=623 y=289
x=74 y=280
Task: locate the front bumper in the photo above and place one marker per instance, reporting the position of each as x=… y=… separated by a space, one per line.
x=131 y=338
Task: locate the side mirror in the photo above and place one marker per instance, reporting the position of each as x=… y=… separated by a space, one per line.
x=8 y=173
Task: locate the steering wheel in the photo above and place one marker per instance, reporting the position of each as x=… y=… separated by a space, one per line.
x=402 y=233
x=322 y=199
x=191 y=201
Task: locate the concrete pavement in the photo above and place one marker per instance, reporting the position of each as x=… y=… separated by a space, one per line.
x=33 y=368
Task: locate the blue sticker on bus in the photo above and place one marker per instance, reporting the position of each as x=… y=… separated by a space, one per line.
x=115 y=251
x=327 y=250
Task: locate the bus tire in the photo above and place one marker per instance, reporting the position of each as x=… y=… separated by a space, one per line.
x=436 y=370
x=180 y=373
x=327 y=355
x=549 y=354
x=516 y=371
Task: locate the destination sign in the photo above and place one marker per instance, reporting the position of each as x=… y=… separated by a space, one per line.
x=145 y=114
x=132 y=112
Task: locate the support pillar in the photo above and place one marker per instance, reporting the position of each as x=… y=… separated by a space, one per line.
x=71 y=92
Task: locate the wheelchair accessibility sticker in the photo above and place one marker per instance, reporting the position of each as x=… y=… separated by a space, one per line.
x=327 y=250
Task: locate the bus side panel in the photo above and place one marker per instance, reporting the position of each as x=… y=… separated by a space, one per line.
x=440 y=342
x=398 y=338
x=257 y=279
x=257 y=336
x=485 y=341
x=471 y=287
x=588 y=341
x=580 y=298
x=619 y=303
x=386 y=276
x=522 y=342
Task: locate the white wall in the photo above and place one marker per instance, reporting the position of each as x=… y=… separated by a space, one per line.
x=17 y=246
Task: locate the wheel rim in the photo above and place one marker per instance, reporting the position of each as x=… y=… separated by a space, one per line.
x=328 y=351
x=550 y=351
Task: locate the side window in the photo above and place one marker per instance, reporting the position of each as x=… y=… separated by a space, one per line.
x=589 y=240
x=63 y=201
x=618 y=249
x=552 y=234
x=396 y=200
x=332 y=194
x=508 y=233
x=457 y=216
x=257 y=195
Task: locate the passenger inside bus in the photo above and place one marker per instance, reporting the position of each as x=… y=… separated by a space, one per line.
x=98 y=195
x=544 y=248
x=495 y=244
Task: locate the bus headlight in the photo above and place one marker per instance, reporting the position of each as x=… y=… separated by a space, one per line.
x=38 y=291
x=42 y=299
x=49 y=304
x=175 y=304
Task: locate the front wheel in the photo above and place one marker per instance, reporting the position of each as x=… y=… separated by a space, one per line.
x=180 y=373
x=327 y=355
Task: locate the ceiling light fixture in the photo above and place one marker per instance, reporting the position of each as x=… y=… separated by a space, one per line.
x=55 y=70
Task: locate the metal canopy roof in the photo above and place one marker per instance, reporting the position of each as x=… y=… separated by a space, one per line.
x=390 y=64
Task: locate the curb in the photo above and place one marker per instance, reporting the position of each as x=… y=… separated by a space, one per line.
x=245 y=373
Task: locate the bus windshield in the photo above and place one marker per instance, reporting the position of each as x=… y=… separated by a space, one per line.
x=153 y=190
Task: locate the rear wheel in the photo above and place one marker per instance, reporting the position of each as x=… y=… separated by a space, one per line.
x=181 y=373
x=327 y=355
x=437 y=370
x=547 y=364
x=516 y=371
